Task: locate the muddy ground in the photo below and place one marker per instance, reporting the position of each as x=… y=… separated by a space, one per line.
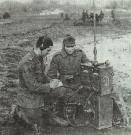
x=19 y=34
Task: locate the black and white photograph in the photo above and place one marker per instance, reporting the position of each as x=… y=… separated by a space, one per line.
x=65 y=67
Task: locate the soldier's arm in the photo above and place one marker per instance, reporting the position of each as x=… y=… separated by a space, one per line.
x=53 y=70
x=31 y=82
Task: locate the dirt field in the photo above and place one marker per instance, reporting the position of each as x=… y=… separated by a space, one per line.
x=77 y=131
x=19 y=34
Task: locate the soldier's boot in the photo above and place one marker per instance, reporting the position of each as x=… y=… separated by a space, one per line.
x=37 y=129
x=20 y=118
x=55 y=120
x=13 y=111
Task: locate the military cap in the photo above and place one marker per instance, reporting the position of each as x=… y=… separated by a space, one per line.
x=69 y=41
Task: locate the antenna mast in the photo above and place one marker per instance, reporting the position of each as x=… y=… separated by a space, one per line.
x=94 y=31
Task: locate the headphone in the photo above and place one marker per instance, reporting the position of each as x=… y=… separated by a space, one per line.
x=44 y=42
x=42 y=47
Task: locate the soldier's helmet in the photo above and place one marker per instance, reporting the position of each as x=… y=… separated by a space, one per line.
x=44 y=42
x=69 y=41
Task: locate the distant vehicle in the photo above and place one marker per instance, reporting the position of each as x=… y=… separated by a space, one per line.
x=6 y=15
x=115 y=21
x=88 y=19
x=66 y=17
x=51 y=12
x=62 y=15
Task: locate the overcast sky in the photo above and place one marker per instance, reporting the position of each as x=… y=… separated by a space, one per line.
x=98 y=2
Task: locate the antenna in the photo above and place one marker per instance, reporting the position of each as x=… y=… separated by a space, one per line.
x=94 y=31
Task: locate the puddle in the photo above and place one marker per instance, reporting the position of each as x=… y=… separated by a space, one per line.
x=53 y=12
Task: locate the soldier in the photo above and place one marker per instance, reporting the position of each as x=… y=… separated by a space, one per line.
x=87 y=16
x=101 y=16
x=113 y=15
x=62 y=15
x=83 y=16
x=97 y=18
x=67 y=17
x=65 y=65
x=34 y=84
x=91 y=18
x=101 y=13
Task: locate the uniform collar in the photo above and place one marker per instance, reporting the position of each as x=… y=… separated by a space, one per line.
x=33 y=53
x=64 y=54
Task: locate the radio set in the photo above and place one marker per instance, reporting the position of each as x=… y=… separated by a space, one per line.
x=99 y=78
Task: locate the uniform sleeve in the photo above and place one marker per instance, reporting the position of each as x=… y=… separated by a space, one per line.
x=30 y=81
x=84 y=58
x=53 y=70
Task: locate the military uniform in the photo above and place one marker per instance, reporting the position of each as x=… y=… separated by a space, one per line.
x=67 y=67
x=33 y=81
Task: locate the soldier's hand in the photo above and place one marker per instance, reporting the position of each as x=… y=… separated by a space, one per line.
x=94 y=63
x=60 y=84
x=54 y=83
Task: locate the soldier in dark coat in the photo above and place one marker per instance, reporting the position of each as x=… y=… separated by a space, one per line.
x=87 y=15
x=34 y=84
x=84 y=16
x=65 y=65
x=113 y=15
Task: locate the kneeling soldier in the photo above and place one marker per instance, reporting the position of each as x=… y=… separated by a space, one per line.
x=34 y=84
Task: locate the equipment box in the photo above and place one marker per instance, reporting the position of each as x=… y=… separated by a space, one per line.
x=102 y=112
x=98 y=78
